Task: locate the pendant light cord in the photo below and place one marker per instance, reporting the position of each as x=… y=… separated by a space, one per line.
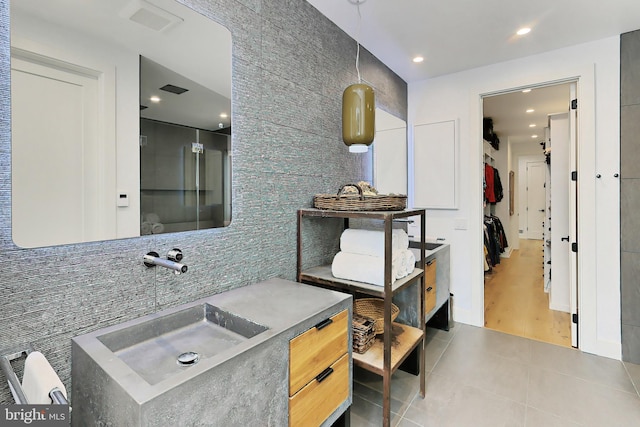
x=358 y=41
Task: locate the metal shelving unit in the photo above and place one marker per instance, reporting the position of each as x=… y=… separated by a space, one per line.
x=387 y=354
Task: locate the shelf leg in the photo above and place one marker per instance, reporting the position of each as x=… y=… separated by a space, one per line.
x=423 y=326
x=388 y=326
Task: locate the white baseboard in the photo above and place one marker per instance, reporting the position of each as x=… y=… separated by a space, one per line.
x=612 y=350
x=461 y=315
x=559 y=307
x=507 y=252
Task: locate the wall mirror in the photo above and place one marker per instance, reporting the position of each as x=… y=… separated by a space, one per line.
x=120 y=120
x=390 y=154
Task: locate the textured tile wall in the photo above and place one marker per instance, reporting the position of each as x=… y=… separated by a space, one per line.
x=630 y=194
x=290 y=66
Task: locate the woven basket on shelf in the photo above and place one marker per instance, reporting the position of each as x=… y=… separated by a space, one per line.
x=373 y=308
x=359 y=202
x=364 y=333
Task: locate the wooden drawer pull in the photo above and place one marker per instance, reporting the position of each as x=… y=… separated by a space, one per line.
x=430 y=262
x=324 y=374
x=430 y=288
x=324 y=323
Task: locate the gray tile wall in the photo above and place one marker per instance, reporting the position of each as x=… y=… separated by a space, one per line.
x=290 y=66
x=630 y=194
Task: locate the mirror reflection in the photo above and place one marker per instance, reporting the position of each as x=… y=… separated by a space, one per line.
x=120 y=120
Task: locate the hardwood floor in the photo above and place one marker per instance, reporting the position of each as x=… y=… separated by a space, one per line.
x=515 y=301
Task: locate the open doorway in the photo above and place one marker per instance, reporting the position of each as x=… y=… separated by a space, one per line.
x=527 y=151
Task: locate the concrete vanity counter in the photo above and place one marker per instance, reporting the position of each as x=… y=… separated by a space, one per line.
x=280 y=304
x=441 y=256
x=246 y=384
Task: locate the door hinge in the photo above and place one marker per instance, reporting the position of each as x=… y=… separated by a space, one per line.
x=574 y=104
x=574 y=247
x=574 y=175
x=574 y=318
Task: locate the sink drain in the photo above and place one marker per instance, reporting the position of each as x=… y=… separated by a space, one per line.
x=188 y=358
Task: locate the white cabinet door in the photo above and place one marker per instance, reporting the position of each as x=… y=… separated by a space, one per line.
x=435 y=163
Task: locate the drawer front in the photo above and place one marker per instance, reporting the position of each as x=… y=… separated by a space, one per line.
x=321 y=397
x=311 y=352
x=429 y=298
x=430 y=273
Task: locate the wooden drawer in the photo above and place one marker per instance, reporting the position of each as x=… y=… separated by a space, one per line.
x=429 y=298
x=312 y=351
x=430 y=286
x=322 y=396
x=430 y=273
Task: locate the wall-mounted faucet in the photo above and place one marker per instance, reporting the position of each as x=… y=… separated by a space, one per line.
x=152 y=259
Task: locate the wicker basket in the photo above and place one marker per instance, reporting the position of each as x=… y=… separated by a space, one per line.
x=359 y=202
x=373 y=308
x=364 y=333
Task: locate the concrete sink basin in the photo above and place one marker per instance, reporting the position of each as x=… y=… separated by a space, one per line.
x=164 y=364
x=168 y=344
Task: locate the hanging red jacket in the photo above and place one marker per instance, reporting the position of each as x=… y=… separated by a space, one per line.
x=489 y=192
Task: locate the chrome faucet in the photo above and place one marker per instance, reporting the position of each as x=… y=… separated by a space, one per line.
x=152 y=259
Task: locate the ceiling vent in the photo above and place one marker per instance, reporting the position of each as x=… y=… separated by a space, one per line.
x=174 y=89
x=149 y=16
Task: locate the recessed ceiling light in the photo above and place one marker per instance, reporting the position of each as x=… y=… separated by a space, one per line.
x=532 y=125
x=526 y=91
x=534 y=136
x=224 y=115
x=418 y=59
x=154 y=99
x=530 y=110
x=523 y=31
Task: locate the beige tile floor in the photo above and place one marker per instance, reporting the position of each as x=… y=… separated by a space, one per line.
x=479 y=377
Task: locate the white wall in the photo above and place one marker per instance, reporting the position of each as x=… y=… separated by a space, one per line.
x=458 y=96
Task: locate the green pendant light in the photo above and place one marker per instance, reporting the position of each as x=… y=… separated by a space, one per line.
x=358 y=107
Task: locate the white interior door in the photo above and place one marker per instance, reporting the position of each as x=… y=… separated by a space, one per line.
x=573 y=216
x=535 y=199
x=560 y=212
x=55 y=160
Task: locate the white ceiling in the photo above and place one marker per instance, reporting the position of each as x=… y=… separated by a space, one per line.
x=512 y=123
x=458 y=35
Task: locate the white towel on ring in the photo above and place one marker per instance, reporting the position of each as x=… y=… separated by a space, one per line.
x=39 y=379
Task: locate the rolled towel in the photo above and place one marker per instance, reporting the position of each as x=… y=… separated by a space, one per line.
x=39 y=379
x=152 y=217
x=400 y=239
x=400 y=263
x=360 y=268
x=410 y=261
x=157 y=228
x=371 y=242
x=145 y=228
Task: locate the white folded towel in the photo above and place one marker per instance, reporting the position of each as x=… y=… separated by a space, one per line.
x=371 y=242
x=39 y=379
x=361 y=268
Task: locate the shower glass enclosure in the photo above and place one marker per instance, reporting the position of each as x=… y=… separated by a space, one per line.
x=185 y=178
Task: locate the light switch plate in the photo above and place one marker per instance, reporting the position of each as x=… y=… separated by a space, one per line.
x=460 y=224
